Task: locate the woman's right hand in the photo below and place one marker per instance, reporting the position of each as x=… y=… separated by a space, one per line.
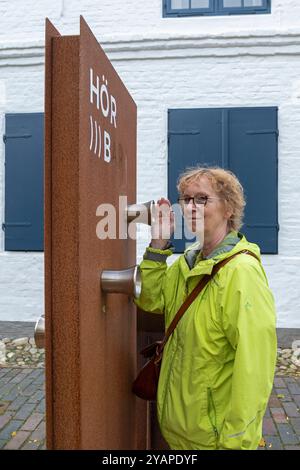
x=162 y=224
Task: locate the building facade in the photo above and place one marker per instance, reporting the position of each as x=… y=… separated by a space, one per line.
x=215 y=81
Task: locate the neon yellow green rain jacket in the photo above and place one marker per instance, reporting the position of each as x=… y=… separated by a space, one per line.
x=218 y=367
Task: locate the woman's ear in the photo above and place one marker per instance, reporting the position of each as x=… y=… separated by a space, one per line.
x=228 y=211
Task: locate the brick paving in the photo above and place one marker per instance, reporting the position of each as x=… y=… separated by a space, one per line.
x=281 y=429
x=22 y=408
x=22 y=411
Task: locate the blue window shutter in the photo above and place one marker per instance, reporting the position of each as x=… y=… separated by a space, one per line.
x=195 y=137
x=243 y=140
x=24 y=175
x=253 y=136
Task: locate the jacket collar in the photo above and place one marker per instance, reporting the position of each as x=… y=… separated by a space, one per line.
x=192 y=264
x=193 y=254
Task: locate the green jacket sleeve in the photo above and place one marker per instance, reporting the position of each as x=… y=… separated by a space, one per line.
x=248 y=314
x=153 y=272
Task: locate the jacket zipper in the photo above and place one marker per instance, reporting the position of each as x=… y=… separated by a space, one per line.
x=214 y=421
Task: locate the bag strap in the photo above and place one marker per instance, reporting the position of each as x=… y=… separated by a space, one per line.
x=199 y=287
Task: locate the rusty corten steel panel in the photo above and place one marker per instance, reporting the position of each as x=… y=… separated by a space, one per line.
x=91 y=338
x=64 y=312
x=51 y=32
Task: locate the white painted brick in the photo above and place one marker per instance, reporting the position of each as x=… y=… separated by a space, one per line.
x=21 y=286
x=159 y=77
x=112 y=17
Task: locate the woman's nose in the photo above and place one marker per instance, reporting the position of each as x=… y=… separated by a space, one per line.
x=191 y=204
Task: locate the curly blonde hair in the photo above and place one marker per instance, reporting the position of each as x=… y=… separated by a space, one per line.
x=225 y=184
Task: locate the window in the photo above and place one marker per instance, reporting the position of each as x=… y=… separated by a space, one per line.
x=174 y=8
x=243 y=140
x=24 y=182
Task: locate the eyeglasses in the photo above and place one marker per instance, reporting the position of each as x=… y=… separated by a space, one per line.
x=197 y=200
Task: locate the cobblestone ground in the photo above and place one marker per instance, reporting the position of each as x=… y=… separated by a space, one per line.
x=22 y=411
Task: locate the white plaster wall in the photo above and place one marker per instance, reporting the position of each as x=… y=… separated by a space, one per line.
x=165 y=63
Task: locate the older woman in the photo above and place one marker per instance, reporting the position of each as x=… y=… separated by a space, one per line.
x=218 y=366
